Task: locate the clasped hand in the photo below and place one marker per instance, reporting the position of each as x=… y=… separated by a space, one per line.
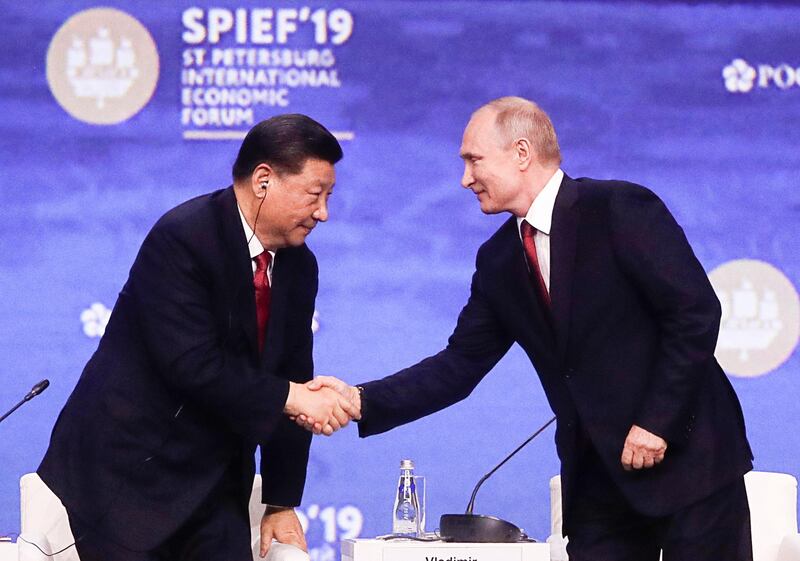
x=323 y=405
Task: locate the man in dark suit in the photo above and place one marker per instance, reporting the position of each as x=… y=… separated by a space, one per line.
x=203 y=359
x=597 y=283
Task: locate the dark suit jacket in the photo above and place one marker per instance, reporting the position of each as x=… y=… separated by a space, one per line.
x=176 y=392
x=634 y=327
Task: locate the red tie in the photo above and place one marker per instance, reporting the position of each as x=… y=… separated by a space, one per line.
x=261 y=283
x=529 y=245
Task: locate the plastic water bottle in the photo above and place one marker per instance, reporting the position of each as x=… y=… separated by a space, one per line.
x=405 y=521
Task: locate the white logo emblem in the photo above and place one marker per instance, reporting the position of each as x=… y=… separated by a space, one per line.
x=102 y=66
x=95 y=319
x=760 y=317
x=102 y=71
x=739 y=76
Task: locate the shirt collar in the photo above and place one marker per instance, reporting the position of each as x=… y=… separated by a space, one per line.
x=540 y=215
x=254 y=245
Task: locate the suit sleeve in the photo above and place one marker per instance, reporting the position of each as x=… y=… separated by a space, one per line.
x=476 y=345
x=655 y=253
x=284 y=457
x=174 y=306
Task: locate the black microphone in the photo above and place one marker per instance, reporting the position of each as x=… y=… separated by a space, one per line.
x=35 y=390
x=472 y=528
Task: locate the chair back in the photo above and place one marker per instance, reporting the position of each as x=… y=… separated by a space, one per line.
x=773 y=511
x=43 y=522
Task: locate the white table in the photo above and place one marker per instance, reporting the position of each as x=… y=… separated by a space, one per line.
x=410 y=550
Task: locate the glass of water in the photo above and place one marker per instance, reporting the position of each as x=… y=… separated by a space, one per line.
x=419 y=484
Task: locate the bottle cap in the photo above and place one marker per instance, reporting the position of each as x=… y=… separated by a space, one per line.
x=406 y=464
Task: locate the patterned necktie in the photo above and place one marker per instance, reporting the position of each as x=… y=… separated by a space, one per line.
x=261 y=284
x=529 y=245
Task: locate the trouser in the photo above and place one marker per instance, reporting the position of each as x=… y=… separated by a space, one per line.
x=603 y=526
x=219 y=530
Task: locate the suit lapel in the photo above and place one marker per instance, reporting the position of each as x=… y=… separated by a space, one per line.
x=563 y=239
x=239 y=270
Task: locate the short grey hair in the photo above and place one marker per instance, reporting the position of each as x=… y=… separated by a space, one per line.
x=517 y=117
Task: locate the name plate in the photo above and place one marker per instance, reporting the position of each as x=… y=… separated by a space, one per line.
x=407 y=550
x=463 y=553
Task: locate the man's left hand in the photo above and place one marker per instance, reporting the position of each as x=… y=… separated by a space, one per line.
x=282 y=525
x=642 y=449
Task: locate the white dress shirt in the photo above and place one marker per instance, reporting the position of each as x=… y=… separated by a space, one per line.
x=540 y=216
x=255 y=247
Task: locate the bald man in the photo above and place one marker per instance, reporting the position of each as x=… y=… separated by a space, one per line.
x=597 y=283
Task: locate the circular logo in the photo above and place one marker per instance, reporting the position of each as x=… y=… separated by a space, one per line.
x=760 y=317
x=102 y=66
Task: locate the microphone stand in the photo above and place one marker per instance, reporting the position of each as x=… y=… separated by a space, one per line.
x=471 y=528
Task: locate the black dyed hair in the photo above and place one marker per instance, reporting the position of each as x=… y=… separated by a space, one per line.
x=285 y=142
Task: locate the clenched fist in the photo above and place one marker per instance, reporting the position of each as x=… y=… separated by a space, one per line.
x=642 y=449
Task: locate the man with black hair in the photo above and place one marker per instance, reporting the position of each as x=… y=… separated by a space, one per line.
x=203 y=359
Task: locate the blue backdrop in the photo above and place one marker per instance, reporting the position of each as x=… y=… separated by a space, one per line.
x=648 y=92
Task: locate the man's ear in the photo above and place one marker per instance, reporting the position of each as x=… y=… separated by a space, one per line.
x=523 y=152
x=260 y=179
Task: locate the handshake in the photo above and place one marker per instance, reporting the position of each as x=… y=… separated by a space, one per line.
x=323 y=405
